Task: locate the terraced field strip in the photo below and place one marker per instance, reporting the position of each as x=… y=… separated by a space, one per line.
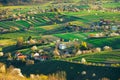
x=111 y=5
x=76 y=35
x=7 y=42
x=3 y=25
x=102 y=57
x=110 y=41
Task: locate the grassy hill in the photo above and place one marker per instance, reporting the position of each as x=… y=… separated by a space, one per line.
x=102 y=57
x=101 y=42
x=74 y=35
x=54 y=23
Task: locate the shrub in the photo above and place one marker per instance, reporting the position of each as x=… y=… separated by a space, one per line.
x=83 y=60
x=20 y=41
x=1 y=53
x=83 y=72
x=34 y=48
x=107 y=48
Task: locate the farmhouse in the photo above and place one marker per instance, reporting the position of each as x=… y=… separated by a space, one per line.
x=36 y=56
x=62 y=46
x=114 y=28
x=39 y=57
x=20 y=56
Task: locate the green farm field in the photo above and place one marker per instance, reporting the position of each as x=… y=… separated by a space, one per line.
x=102 y=57
x=55 y=31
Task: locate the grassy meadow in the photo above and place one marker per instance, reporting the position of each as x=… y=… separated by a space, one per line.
x=53 y=23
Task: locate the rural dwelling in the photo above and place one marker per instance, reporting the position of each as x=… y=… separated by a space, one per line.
x=62 y=46
x=20 y=56
x=114 y=28
x=17 y=54
x=44 y=57
x=36 y=56
x=39 y=57
x=98 y=35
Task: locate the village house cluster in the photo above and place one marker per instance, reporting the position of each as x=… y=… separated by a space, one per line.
x=53 y=48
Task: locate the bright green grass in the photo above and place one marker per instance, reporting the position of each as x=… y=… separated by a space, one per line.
x=87 y=17
x=99 y=57
x=45 y=19
x=25 y=8
x=23 y=23
x=72 y=36
x=101 y=42
x=29 y=51
x=15 y=35
x=82 y=18
x=111 y=5
x=0 y=48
